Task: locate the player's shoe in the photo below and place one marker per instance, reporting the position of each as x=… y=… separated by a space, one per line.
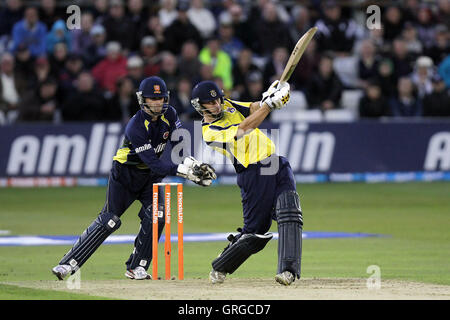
x=285 y=278
x=137 y=274
x=62 y=271
x=217 y=276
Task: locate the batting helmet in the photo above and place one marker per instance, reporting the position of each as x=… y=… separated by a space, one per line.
x=153 y=87
x=204 y=92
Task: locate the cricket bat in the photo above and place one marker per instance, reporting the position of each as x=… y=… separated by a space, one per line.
x=297 y=53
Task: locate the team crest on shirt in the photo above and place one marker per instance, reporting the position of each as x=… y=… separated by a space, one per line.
x=156 y=88
x=166 y=135
x=213 y=93
x=231 y=110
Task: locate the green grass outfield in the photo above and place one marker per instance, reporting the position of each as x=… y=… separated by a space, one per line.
x=415 y=217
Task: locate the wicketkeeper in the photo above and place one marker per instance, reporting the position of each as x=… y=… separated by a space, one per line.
x=136 y=167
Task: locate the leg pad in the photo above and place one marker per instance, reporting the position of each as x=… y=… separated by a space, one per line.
x=102 y=227
x=239 y=251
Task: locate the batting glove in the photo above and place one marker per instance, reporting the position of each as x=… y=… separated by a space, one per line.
x=279 y=98
x=273 y=87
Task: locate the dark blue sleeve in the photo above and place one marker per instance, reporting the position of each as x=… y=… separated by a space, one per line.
x=176 y=124
x=136 y=132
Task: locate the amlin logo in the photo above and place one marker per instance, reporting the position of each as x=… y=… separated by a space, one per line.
x=63 y=154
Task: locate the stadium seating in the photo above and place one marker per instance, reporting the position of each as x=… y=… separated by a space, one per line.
x=350 y=99
x=339 y=115
x=347 y=70
x=314 y=115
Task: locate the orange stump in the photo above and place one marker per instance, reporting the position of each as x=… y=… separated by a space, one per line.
x=155 y=233
x=180 y=232
x=167 y=244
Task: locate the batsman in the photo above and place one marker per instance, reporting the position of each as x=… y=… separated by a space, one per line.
x=136 y=167
x=265 y=179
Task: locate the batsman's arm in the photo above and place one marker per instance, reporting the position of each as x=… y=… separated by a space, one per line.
x=257 y=116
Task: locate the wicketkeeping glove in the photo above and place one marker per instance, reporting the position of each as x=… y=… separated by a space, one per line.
x=194 y=170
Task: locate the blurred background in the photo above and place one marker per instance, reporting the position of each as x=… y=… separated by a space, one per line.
x=368 y=107
x=363 y=100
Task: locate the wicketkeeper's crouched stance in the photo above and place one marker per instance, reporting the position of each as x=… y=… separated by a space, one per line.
x=136 y=167
x=266 y=180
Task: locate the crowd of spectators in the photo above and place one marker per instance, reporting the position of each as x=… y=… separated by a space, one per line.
x=51 y=73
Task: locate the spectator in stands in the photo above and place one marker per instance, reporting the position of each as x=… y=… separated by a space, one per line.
x=437 y=103
x=181 y=30
x=336 y=33
x=373 y=104
x=41 y=104
x=301 y=22
x=405 y=103
x=111 y=68
x=367 y=62
x=254 y=87
x=220 y=60
x=31 y=32
x=425 y=26
x=325 y=88
x=376 y=36
x=413 y=45
x=386 y=77
x=154 y=28
x=86 y=103
x=67 y=78
x=58 y=58
x=168 y=12
x=206 y=73
x=118 y=26
x=441 y=46
x=409 y=10
x=202 y=18
x=12 y=87
x=257 y=11
x=135 y=69
x=24 y=64
x=169 y=70
x=150 y=56
x=393 y=23
x=180 y=99
x=49 y=13
x=188 y=62
x=270 y=31
x=81 y=38
x=42 y=72
x=444 y=71
x=100 y=10
x=58 y=34
x=443 y=14
x=96 y=51
x=401 y=59
x=123 y=105
x=229 y=43
x=306 y=67
x=241 y=70
x=423 y=73
x=138 y=18
x=273 y=69
x=10 y=15
x=241 y=26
